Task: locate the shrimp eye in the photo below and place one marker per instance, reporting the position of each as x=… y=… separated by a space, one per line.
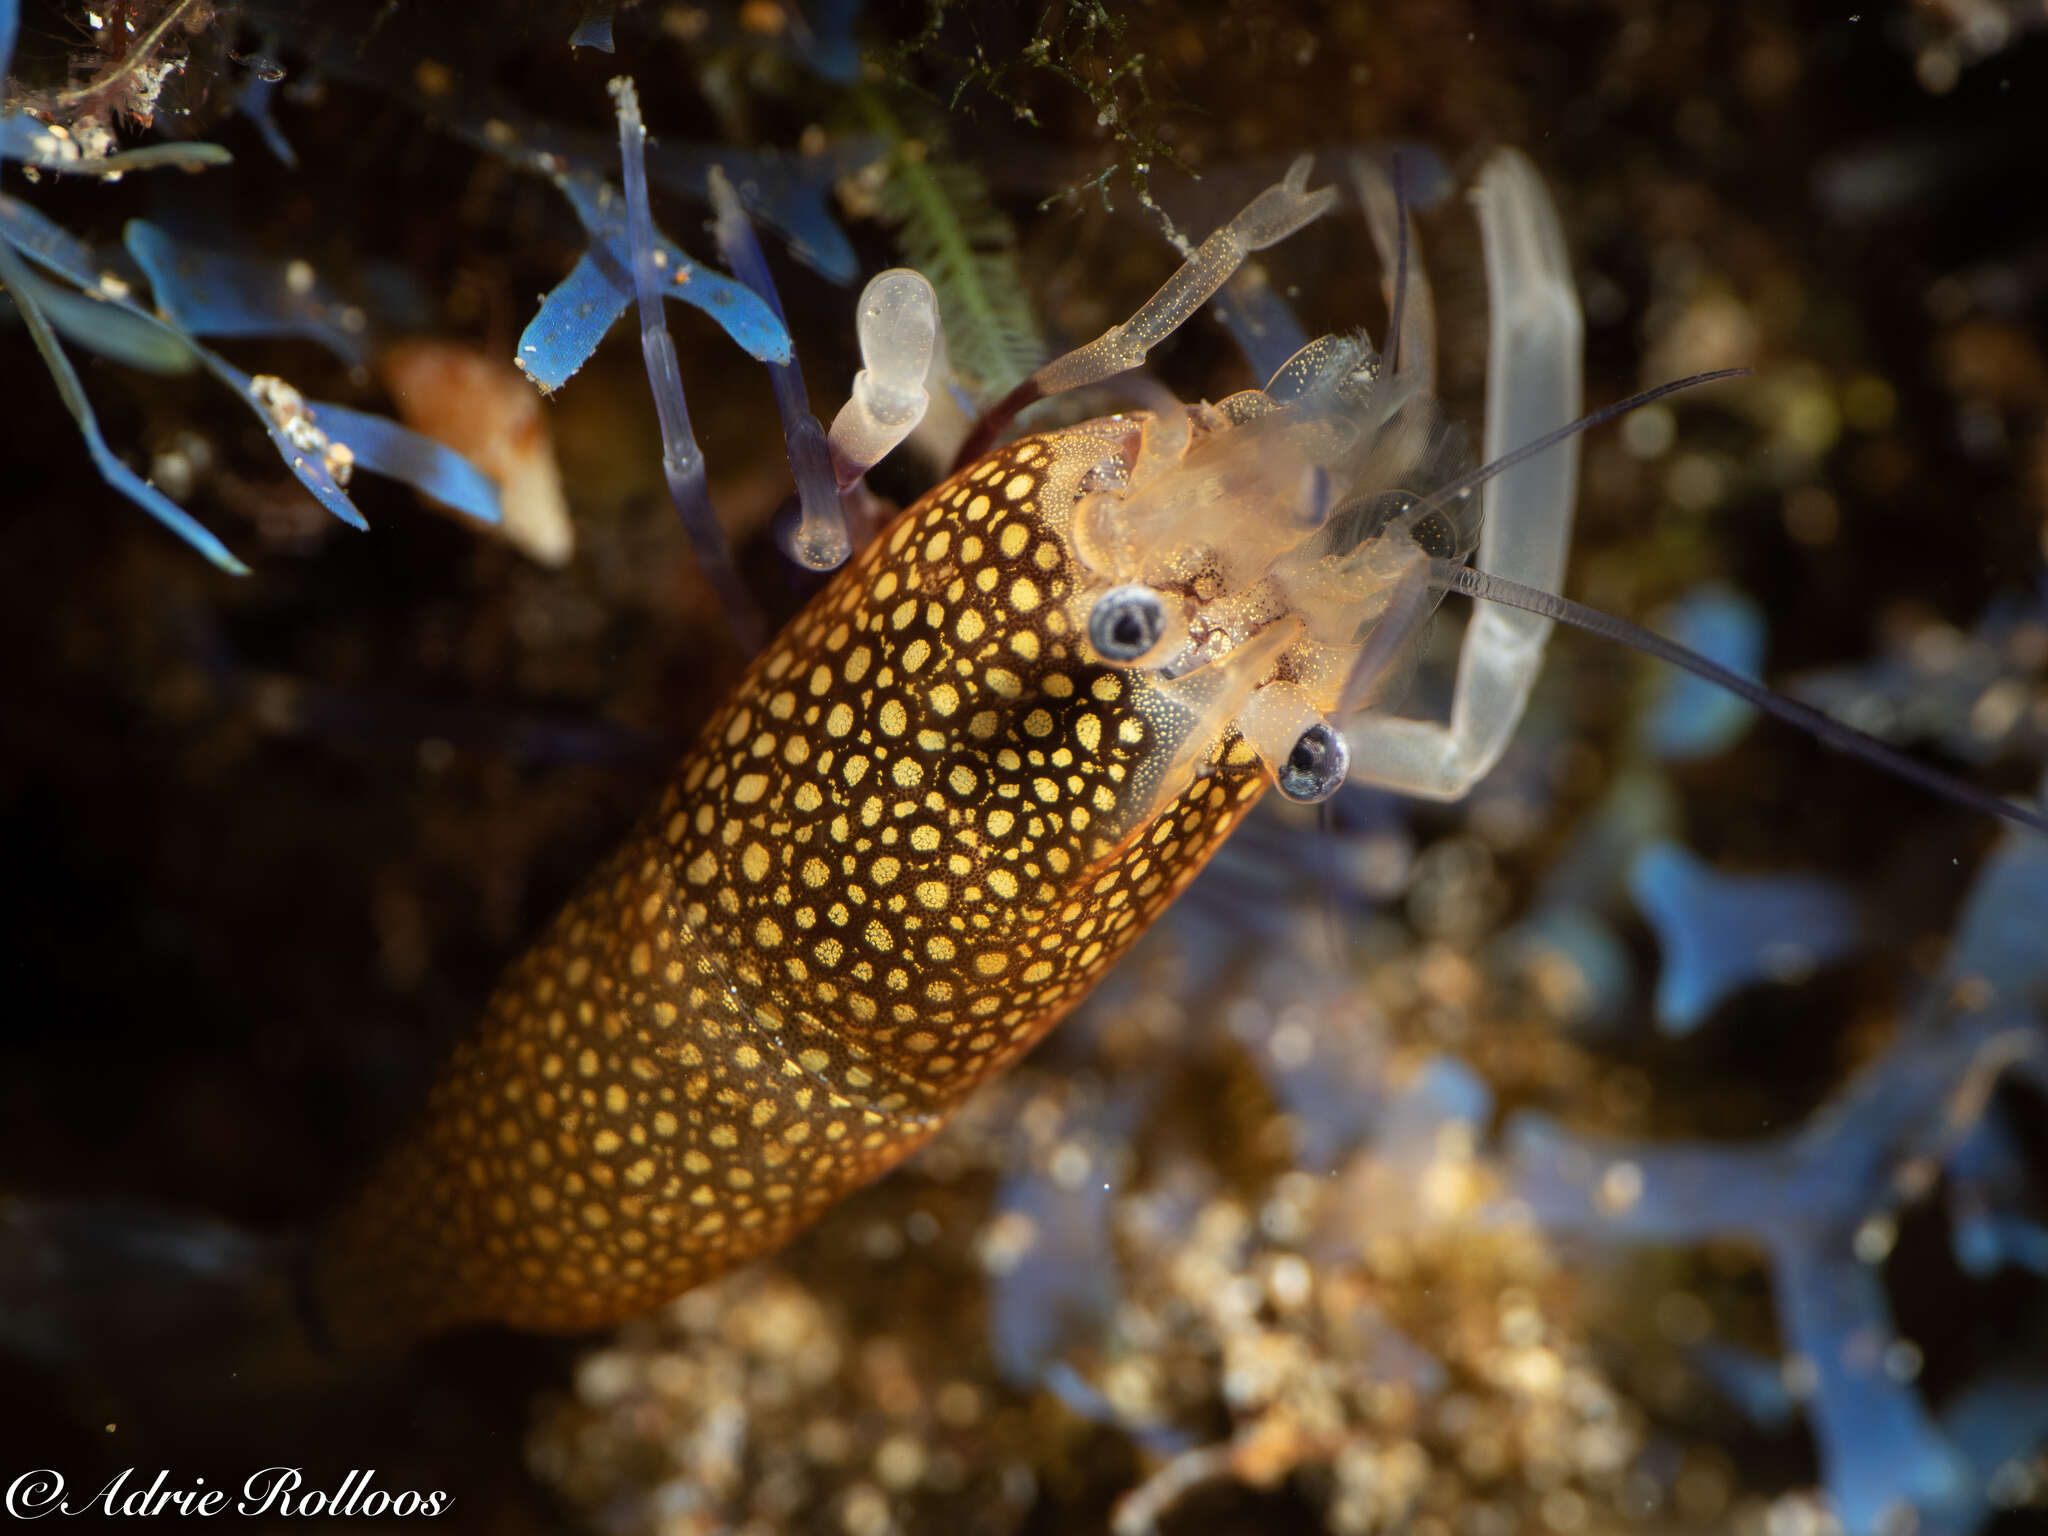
x=1125 y=623
x=1315 y=769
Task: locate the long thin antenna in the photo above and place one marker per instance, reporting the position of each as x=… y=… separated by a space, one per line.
x=1824 y=728
x=1473 y=479
x=1400 y=301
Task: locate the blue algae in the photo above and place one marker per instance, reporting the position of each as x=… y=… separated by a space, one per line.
x=23 y=287
x=792 y=193
x=1259 y=321
x=1806 y=1196
x=817 y=537
x=199 y=291
x=827 y=45
x=1722 y=933
x=257 y=101
x=1064 y=1287
x=594 y=27
x=208 y=291
x=1595 y=955
x=1752 y=1382
x=1693 y=718
x=579 y=310
x=1951 y=696
x=31 y=143
x=1991 y=1224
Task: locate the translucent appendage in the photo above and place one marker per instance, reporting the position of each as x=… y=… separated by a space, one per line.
x=898 y=321
x=681 y=461
x=816 y=539
x=1535 y=339
x=1404 y=280
x=1269 y=218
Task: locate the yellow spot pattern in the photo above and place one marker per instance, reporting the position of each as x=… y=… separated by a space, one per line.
x=884 y=873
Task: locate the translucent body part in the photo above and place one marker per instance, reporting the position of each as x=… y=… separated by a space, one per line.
x=816 y=538
x=1295 y=538
x=898 y=321
x=1269 y=218
x=1535 y=334
x=682 y=462
x=1266 y=220
x=1411 y=304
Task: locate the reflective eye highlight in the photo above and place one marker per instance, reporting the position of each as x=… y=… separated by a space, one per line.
x=1315 y=768
x=1126 y=623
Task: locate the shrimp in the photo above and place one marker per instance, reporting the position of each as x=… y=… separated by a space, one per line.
x=955 y=789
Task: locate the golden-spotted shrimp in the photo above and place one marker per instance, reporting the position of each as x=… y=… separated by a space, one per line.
x=959 y=785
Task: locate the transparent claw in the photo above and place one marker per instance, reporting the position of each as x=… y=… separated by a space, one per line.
x=1266 y=220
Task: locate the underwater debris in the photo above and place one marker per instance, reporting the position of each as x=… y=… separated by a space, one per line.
x=1354 y=1342
x=486 y=410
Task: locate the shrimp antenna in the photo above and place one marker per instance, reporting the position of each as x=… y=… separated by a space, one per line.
x=1470 y=481
x=1400 y=300
x=1824 y=728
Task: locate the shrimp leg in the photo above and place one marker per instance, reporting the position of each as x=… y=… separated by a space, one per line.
x=1534 y=351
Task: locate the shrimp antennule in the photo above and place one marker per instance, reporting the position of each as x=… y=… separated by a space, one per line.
x=1473 y=479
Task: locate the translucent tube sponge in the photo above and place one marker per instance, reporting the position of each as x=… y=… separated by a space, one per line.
x=818 y=539
x=681 y=460
x=898 y=319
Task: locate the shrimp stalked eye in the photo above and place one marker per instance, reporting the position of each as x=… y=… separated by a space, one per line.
x=1315 y=769
x=1126 y=624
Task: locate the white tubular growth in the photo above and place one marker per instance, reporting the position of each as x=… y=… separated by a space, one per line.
x=1535 y=343
x=898 y=321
